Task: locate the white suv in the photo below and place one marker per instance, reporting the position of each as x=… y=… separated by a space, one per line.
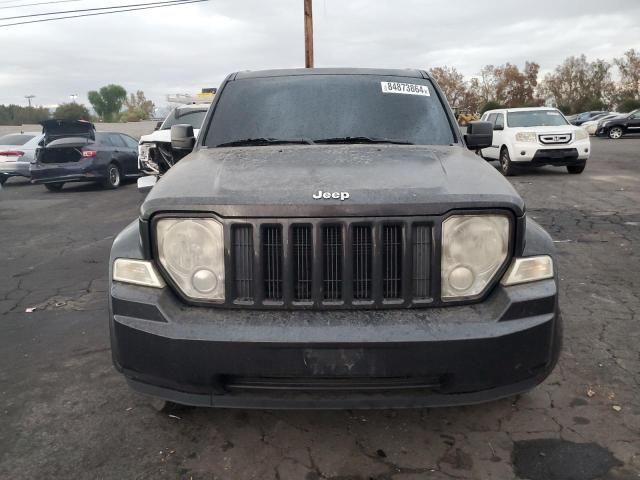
x=535 y=137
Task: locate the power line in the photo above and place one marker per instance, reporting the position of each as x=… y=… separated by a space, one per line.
x=101 y=13
x=82 y=10
x=34 y=4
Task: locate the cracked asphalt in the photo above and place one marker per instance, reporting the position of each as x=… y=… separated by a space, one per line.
x=66 y=413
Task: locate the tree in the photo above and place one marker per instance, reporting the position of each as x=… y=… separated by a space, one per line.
x=452 y=84
x=18 y=115
x=577 y=85
x=72 y=111
x=108 y=101
x=508 y=86
x=629 y=67
x=138 y=107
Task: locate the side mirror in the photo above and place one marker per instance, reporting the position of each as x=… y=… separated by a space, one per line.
x=145 y=184
x=498 y=127
x=158 y=125
x=182 y=137
x=479 y=135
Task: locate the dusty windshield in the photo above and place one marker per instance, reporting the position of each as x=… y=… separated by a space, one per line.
x=330 y=109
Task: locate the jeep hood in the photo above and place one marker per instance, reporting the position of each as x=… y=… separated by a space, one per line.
x=55 y=129
x=382 y=180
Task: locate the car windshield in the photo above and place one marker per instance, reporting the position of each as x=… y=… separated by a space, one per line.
x=184 y=116
x=535 y=118
x=329 y=109
x=15 y=139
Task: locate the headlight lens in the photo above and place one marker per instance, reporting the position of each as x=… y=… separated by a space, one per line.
x=192 y=251
x=581 y=134
x=528 y=269
x=474 y=247
x=136 y=272
x=526 y=137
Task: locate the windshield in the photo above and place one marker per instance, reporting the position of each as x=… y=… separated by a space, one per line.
x=535 y=118
x=330 y=109
x=15 y=139
x=184 y=116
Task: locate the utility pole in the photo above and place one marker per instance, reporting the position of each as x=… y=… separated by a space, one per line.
x=29 y=97
x=308 y=33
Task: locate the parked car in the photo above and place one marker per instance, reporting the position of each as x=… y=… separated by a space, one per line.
x=155 y=154
x=621 y=125
x=17 y=151
x=592 y=125
x=586 y=116
x=333 y=243
x=72 y=151
x=535 y=137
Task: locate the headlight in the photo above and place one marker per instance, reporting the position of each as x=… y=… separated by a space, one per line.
x=192 y=252
x=581 y=134
x=136 y=272
x=528 y=269
x=474 y=247
x=526 y=137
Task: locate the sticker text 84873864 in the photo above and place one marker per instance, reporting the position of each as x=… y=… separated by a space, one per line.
x=405 y=88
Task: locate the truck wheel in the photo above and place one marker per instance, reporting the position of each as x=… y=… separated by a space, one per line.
x=54 y=187
x=575 y=168
x=615 y=133
x=113 y=177
x=505 y=163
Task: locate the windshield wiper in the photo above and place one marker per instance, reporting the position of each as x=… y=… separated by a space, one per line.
x=362 y=140
x=265 y=141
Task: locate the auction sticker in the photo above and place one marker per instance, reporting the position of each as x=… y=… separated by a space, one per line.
x=405 y=88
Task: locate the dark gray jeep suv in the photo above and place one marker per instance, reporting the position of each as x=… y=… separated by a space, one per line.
x=331 y=242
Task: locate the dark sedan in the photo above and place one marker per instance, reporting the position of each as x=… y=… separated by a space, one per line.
x=616 y=127
x=72 y=151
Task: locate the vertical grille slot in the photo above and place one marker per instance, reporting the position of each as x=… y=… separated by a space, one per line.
x=362 y=253
x=391 y=261
x=421 y=261
x=332 y=262
x=242 y=252
x=302 y=262
x=272 y=261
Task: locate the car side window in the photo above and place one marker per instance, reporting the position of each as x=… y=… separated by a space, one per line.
x=492 y=118
x=116 y=140
x=129 y=142
x=499 y=120
x=102 y=139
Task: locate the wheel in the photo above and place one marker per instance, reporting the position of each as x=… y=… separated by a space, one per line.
x=615 y=132
x=3 y=179
x=505 y=163
x=54 y=187
x=113 y=177
x=576 y=168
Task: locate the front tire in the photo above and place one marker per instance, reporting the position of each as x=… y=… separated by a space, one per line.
x=615 y=133
x=54 y=187
x=506 y=167
x=3 y=179
x=576 y=169
x=113 y=177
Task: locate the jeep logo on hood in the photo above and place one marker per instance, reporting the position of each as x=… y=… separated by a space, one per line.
x=341 y=195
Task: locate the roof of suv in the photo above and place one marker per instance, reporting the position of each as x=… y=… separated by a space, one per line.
x=411 y=73
x=520 y=109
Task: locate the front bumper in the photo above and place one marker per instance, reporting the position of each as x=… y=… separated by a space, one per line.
x=575 y=153
x=15 y=169
x=335 y=359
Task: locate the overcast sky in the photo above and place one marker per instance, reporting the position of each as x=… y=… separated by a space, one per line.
x=181 y=49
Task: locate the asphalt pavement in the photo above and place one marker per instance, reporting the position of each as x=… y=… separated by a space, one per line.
x=66 y=413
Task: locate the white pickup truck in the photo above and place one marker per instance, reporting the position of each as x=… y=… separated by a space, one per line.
x=155 y=155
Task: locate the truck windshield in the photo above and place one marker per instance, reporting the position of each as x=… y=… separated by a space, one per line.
x=329 y=109
x=189 y=117
x=536 y=118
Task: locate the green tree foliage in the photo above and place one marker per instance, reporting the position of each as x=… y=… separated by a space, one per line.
x=628 y=105
x=138 y=108
x=108 y=101
x=491 y=105
x=18 y=115
x=72 y=111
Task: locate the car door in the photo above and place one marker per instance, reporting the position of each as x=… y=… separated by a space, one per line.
x=498 y=134
x=491 y=152
x=634 y=123
x=131 y=154
x=120 y=153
